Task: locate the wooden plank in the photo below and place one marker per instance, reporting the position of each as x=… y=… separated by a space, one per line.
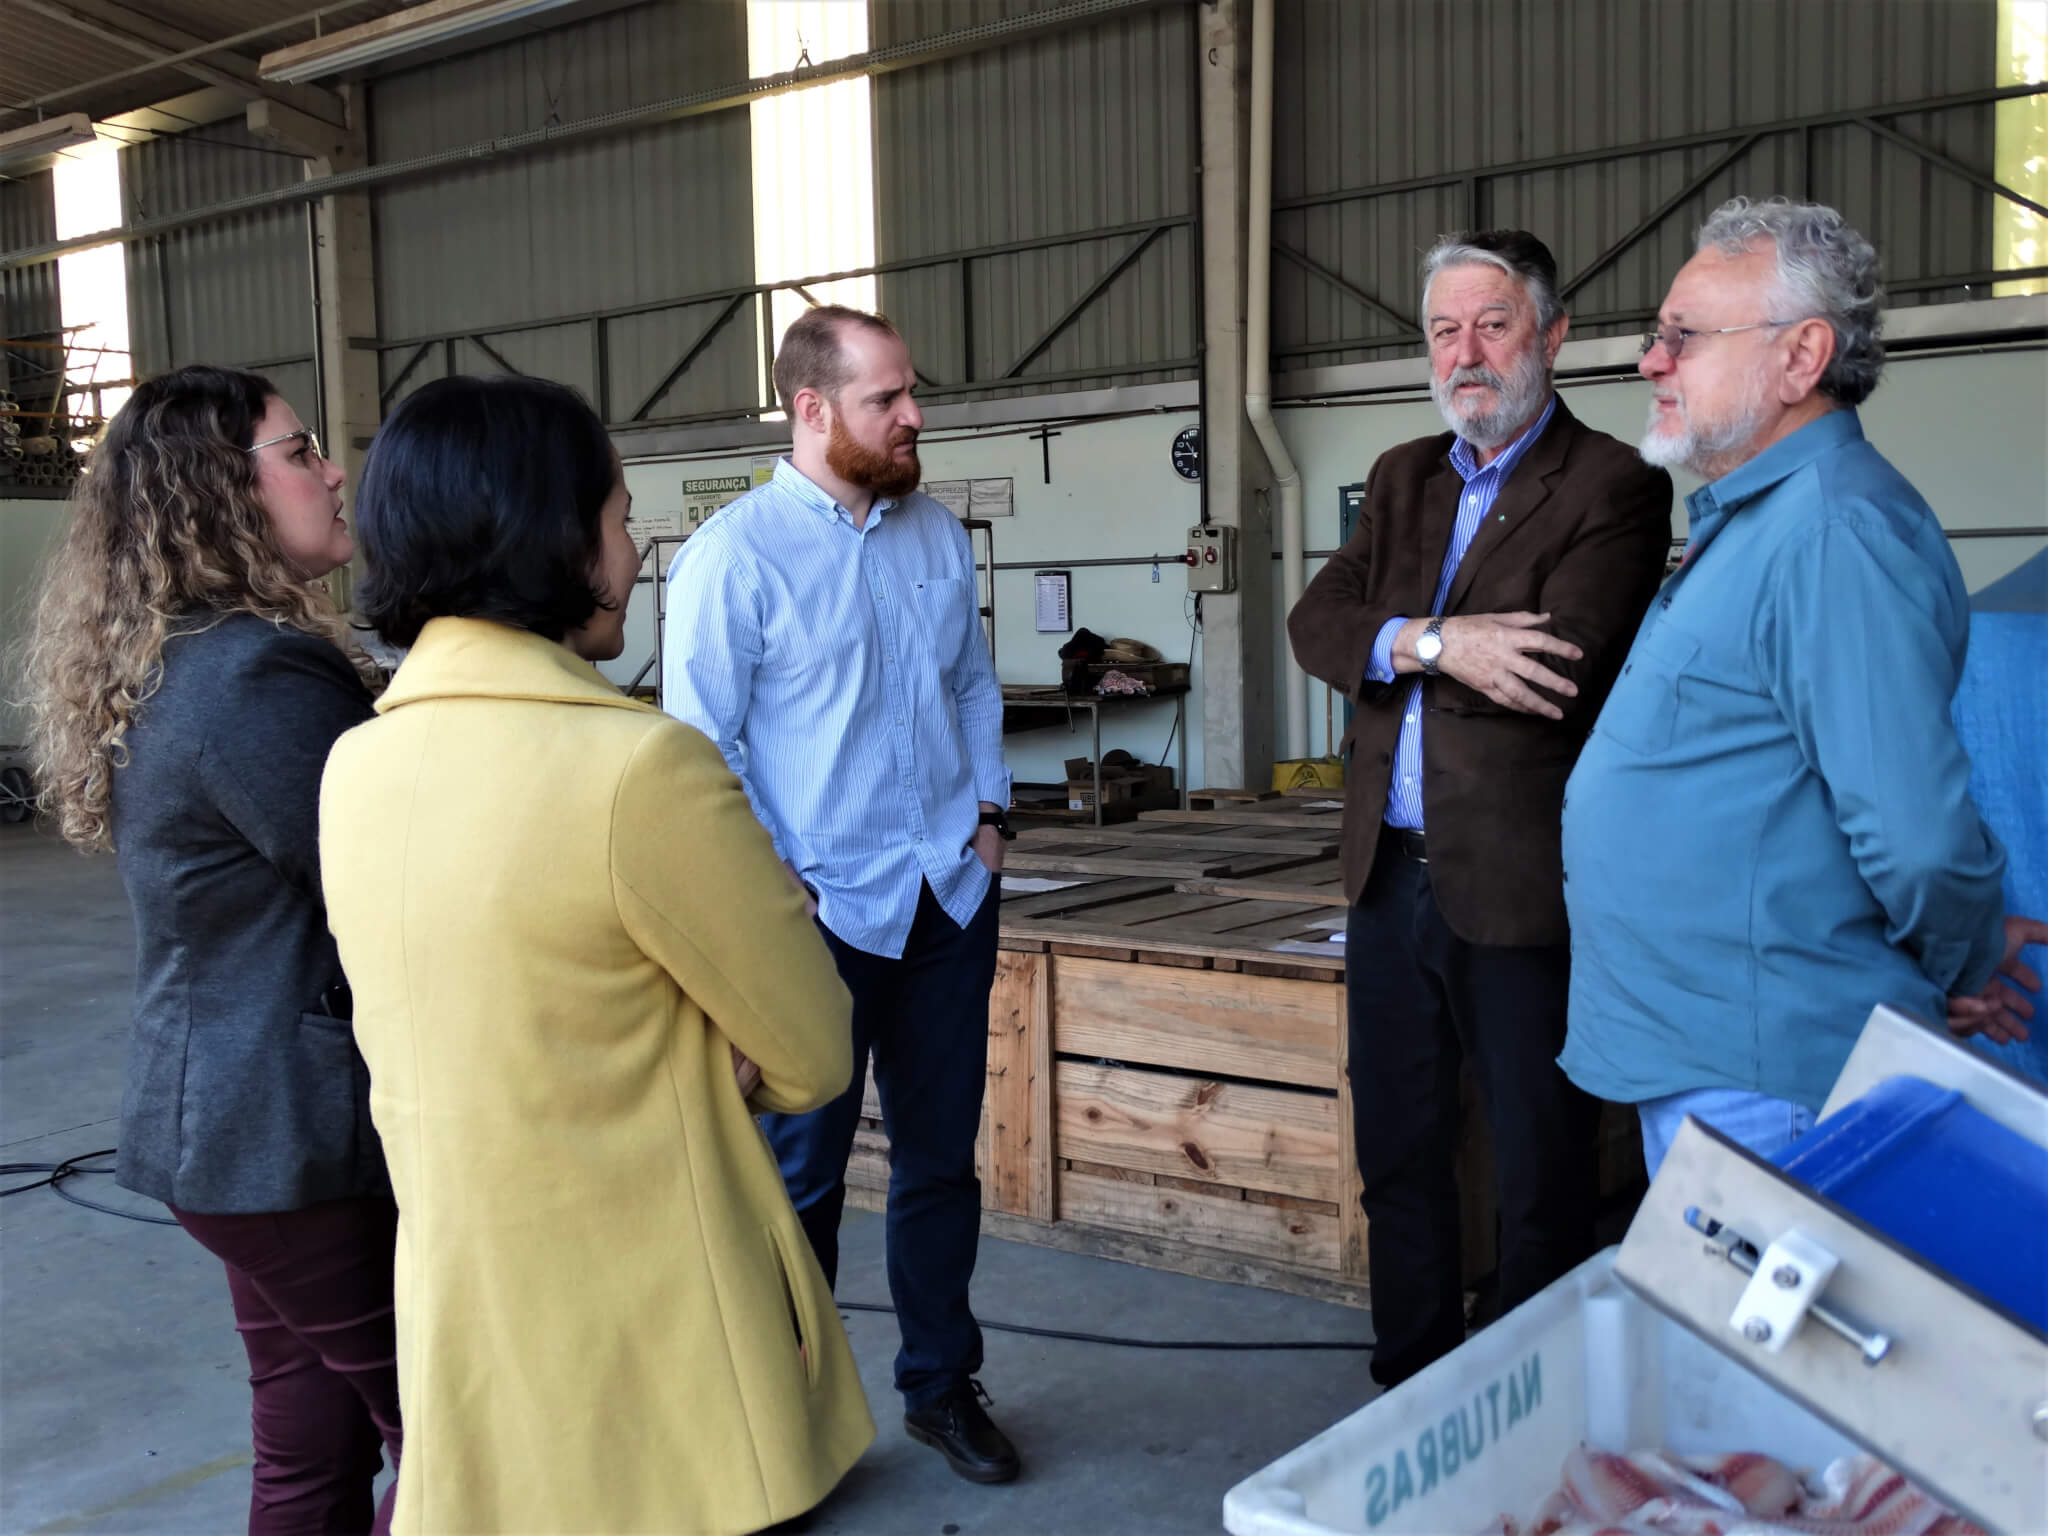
x=1141 y=837
x=1317 y=820
x=867 y=1167
x=1193 y=1128
x=1077 y=898
x=1282 y=887
x=1198 y=1021
x=1203 y=799
x=1017 y=1108
x=1300 y=1239
x=1225 y=915
x=1351 y=1251
x=1309 y=969
x=1105 y=943
x=1167 y=904
x=1118 y=863
x=1108 y=953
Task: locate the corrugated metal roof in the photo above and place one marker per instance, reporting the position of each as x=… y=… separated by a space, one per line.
x=41 y=56
x=231 y=292
x=662 y=213
x=1087 y=130
x=1400 y=89
x=28 y=296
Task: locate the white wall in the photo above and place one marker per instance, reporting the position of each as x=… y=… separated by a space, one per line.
x=1971 y=431
x=27 y=530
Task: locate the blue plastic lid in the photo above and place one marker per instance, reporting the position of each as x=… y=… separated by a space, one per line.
x=1960 y=1190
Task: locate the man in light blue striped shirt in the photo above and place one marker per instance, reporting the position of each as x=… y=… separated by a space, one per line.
x=823 y=630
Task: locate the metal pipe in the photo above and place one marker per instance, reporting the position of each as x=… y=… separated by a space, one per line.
x=877 y=61
x=319 y=323
x=1258 y=362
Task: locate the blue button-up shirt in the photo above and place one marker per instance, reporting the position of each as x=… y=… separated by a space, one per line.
x=1482 y=489
x=843 y=673
x=1770 y=830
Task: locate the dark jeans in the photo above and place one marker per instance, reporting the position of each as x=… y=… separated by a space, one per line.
x=925 y=1019
x=1421 y=1000
x=312 y=1295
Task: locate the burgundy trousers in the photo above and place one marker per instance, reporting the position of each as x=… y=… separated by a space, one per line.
x=312 y=1296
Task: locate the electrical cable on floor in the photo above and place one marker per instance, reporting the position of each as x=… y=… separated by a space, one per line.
x=1241 y=1345
x=57 y=1173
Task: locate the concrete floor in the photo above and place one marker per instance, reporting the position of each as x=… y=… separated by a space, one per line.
x=124 y=1405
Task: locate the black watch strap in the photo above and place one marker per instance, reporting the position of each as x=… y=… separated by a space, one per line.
x=1000 y=820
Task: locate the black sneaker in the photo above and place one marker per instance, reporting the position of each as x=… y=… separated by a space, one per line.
x=958 y=1429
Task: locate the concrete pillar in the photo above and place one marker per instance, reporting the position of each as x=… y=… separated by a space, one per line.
x=345 y=280
x=1237 y=627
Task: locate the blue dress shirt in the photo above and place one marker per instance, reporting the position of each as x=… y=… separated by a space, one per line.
x=1770 y=829
x=1482 y=489
x=844 y=674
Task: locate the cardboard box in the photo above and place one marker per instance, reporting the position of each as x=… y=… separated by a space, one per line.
x=1118 y=785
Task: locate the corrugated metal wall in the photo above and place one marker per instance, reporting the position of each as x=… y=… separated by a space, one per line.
x=1088 y=130
x=1410 y=89
x=234 y=292
x=28 y=295
x=655 y=215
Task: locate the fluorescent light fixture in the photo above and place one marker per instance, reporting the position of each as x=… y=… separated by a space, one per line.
x=422 y=26
x=33 y=148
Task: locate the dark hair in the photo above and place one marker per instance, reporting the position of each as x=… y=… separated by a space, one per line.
x=480 y=500
x=1514 y=251
x=813 y=352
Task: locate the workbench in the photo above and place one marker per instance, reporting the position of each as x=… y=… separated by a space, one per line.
x=1032 y=707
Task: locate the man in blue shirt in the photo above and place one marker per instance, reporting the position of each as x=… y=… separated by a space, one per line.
x=1770 y=830
x=823 y=630
x=1476 y=617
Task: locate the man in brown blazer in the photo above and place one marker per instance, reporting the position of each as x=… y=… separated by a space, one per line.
x=1476 y=618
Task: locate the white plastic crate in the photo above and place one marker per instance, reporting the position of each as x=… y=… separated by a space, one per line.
x=1485 y=1431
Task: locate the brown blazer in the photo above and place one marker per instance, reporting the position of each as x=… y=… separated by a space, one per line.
x=1580 y=532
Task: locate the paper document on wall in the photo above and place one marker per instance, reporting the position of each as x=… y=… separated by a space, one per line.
x=992 y=497
x=950 y=494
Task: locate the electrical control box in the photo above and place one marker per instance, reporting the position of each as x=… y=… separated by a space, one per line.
x=1212 y=558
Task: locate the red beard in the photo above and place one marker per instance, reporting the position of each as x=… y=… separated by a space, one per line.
x=878 y=471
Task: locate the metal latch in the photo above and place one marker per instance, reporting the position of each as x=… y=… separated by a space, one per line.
x=1785 y=1285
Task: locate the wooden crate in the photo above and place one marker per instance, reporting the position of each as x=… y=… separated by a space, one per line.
x=1167 y=1077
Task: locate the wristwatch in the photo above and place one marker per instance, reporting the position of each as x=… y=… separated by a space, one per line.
x=1000 y=820
x=1429 y=645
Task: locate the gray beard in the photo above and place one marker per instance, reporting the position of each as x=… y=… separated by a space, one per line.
x=1709 y=451
x=1518 y=397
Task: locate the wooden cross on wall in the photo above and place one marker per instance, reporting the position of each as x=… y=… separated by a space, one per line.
x=1043 y=437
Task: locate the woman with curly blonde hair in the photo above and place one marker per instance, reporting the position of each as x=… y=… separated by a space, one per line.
x=187 y=675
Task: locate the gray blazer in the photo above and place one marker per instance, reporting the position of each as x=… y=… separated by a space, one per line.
x=244 y=1089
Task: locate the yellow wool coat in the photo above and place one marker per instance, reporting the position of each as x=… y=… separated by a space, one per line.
x=556 y=909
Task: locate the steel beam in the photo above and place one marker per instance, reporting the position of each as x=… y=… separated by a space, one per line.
x=1344 y=284
x=170 y=47
x=1657 y=216
x=1954 y=167
x=696 y=350
x=1074 y=310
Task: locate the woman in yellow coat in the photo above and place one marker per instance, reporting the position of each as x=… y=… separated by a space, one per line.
x=573 y=953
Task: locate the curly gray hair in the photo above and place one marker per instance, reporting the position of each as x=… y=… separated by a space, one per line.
x=1825 y=269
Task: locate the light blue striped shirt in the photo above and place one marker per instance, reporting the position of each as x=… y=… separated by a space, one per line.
x=843 y=673
x=1482 y=489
